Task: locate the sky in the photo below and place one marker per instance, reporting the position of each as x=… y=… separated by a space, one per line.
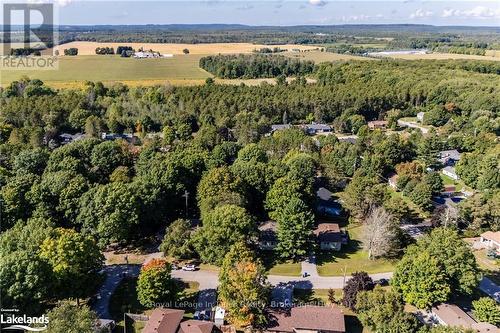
x=278 y=12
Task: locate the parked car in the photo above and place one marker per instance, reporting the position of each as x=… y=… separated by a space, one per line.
x=189 y=268
x=175 y=267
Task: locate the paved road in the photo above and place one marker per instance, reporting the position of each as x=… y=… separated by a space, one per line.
x=114 y=274
x=209 y=279
x=490 y=288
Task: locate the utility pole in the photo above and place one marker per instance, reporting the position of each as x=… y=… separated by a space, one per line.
x=186 y=195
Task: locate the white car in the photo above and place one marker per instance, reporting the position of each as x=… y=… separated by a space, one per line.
x=189 y=268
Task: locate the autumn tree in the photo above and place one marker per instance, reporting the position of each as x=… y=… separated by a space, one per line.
x=243 y=290
x=155 y=284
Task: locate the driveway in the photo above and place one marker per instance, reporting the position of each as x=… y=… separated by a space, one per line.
x=114 y=275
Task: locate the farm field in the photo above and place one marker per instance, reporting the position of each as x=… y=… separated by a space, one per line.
x=88 y=48
x=319 y=57
x=443 y=56
x=74 y=70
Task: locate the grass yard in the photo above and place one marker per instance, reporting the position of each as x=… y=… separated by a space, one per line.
x=275 y=266
x=351 y=258
x=108 y=69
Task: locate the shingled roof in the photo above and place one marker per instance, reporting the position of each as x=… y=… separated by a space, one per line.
x=163 y=321
x=317 y=318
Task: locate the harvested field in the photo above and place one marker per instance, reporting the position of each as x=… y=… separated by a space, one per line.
x=88 y=48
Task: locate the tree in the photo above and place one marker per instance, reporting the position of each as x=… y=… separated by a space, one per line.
x=433 y=179
x=242 y=290
x=481 y=211
x=222 y=227
x=361 y=193
x=185 y=51
x=252 y=152
x=69 y=318
x=295 y=224
x=380 y=234
x=487 y=310
x=109 y=212
x=383 y=311
x=155 y=284
x=107 y=156
x=420 y=279
x=359 y=281
x=75 y=260
x=438 y=265
x=177 y=241
x=284 y=189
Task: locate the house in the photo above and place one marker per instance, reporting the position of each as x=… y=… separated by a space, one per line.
x=449 y=157
x=451 y=315
x=393 y=181
x=307 y=319
x=268 y=239
x=163 y=320
x=420 y=116
x=313 y=129
x=66 y=138
x=280 y=127
x=449 y=191
x=491 y=240
x=329 y=236
x=130 y=138
x=146 y=54
x=377 y=124
x=450 y=172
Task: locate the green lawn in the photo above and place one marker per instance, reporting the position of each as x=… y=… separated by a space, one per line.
x=351 y=258
x=275 y=266
x=459 y=185
x=114 y=68
x=287 y=269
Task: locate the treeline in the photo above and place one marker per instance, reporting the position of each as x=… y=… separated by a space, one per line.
x=24 y=52
x=104 y=50
x=72 y=51
x=254 y=66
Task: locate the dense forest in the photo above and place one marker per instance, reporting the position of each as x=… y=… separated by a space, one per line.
x=254 y=66
x=213 y=142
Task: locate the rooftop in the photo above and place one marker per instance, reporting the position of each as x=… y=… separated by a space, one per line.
x=163 y=321
x=321 y=318
x=494 y=236
x=328 y=232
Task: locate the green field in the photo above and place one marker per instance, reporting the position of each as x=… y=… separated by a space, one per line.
x=114 y=68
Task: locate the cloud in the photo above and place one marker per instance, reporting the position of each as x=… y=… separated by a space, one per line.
x=421 y=13
x=318 y=3
x=479 y=12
